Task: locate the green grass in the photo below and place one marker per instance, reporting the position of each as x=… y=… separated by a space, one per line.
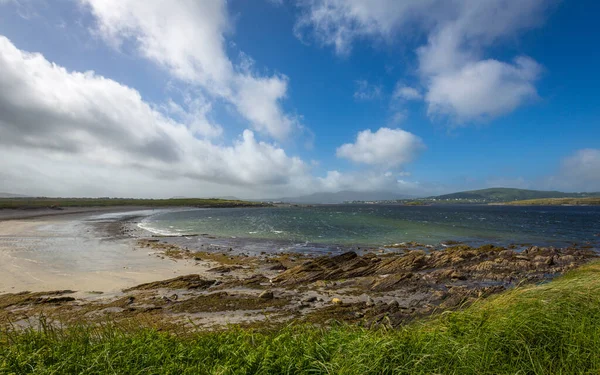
x=511 y=194
x=24 y=203
x=552 y=328
x=557 y=201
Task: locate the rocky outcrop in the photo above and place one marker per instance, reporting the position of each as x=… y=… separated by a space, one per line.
x=452 y=264
x=181 y=282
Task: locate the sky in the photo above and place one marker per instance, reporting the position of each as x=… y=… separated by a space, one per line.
x=280 y=98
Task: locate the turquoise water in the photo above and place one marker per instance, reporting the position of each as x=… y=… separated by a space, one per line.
x=376 y=225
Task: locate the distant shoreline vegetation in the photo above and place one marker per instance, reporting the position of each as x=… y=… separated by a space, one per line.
x=590 y=201
x=59 y=203
x=499 y=196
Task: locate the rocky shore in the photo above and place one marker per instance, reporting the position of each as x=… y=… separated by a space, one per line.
x=371 y=288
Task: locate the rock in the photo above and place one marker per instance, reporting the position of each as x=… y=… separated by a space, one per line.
x=278 y=267
x=253 y=281
x=55 y=300
x=458 y=275
x=370 y=302
x=393 y=304
x=181 y=282
x=343 y=266
x=223 y=269
x=336 y=301
x=267 y=294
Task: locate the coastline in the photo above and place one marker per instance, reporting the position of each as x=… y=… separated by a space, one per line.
x=77 y=250
x=128 y=274
x=21 y=214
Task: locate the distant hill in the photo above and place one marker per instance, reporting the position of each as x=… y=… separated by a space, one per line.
x=508 y=195
x=341 y=197
x=9 y=195
x=586 y=201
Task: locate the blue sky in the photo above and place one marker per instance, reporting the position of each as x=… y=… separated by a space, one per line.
x=271 y=98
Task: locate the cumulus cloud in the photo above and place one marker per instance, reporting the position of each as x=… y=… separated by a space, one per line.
x=452 y=66
x=187 y=38
x=483 y=89
x=386 y=147
x=81 y=134
x=367 y=91
x=81 y=118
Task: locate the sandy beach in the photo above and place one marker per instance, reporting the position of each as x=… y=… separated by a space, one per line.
x=78 y=249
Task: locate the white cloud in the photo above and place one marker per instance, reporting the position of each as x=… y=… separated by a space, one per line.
x=76 y=123
x=481 y=89
x=257 y=99
x=194 y=116
x=81 y=134
x=187 y=38
x=406 y=93
x=367 y=91
x=336 y=181
x=386 y=147
x=339 y=22
x=580 y=171
x=452 y=66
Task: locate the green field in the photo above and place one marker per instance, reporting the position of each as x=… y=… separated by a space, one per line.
x=592 y=201
x=552 y=328
x=26 y=203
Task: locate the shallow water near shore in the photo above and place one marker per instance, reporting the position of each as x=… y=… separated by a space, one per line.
x=338 y=227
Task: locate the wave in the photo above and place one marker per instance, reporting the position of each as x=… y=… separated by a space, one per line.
x=146 y=226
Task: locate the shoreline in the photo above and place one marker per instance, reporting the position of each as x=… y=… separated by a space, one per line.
x=141 y=276
x=7 y=214
x=78 y=250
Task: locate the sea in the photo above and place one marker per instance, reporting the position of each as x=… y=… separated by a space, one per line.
x=334 y=228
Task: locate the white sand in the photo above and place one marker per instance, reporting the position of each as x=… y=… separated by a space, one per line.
x=66 y=252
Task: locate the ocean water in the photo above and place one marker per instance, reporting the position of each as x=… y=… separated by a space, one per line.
x=332 y=226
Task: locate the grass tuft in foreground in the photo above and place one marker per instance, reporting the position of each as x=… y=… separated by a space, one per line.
x=552 y=328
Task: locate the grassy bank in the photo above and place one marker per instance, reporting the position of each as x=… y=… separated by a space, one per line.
x=552 y=328
x=30 y=203
x=592 y=201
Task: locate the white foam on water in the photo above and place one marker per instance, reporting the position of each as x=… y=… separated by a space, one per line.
x=146 y=226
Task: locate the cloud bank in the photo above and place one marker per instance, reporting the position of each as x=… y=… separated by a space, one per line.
x=460 y=82
x=82 y=116
x=187 y=38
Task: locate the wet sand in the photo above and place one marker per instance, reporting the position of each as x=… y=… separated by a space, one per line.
x=77 y=249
